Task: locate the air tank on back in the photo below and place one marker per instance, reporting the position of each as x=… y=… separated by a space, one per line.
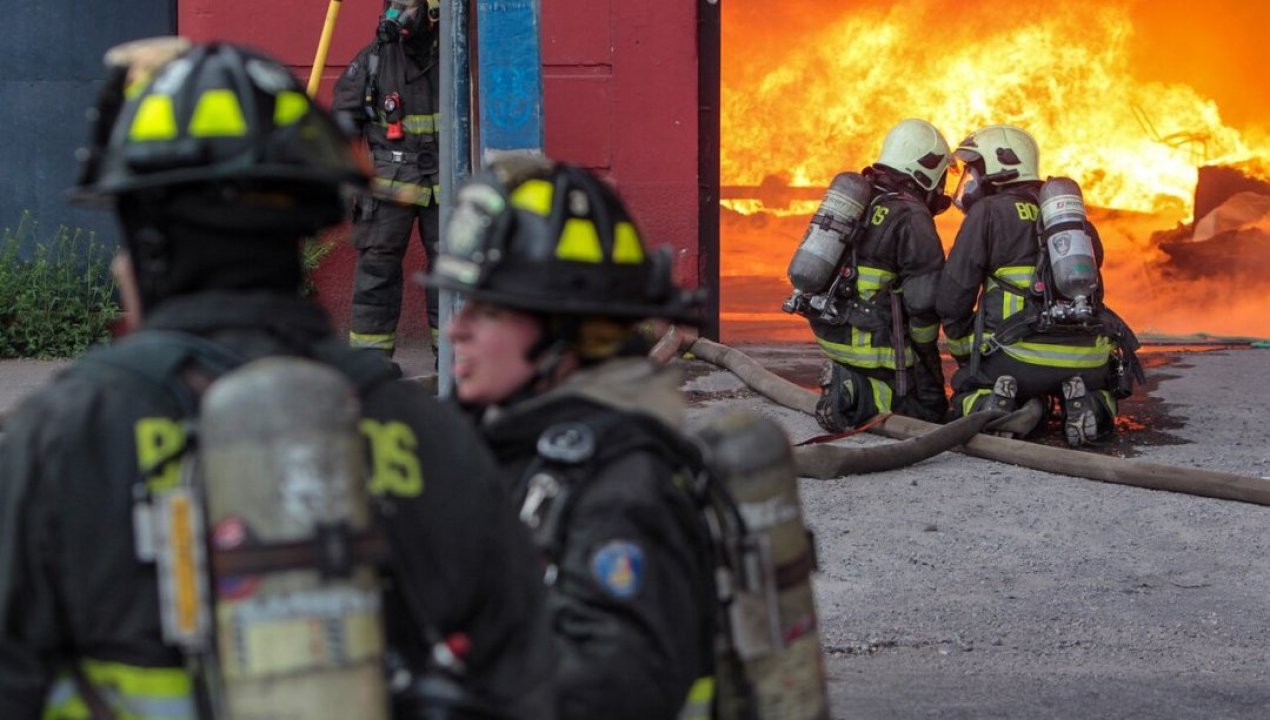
x=811 y=270
x=1066 y=236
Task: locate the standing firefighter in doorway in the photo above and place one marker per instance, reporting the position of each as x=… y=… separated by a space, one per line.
x=218 y=165
x=865 y=276
x=1021 y=294
x=390 y=92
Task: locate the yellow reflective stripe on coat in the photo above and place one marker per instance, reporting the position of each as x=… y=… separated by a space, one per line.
x=871 y=279
x=700 y=699
x=861 y=353
x=133 y=693
x=414 y=124
x=1065 y=356
x=409 y=193
x=374 y=341
x=924 y=334
x=1018 y=277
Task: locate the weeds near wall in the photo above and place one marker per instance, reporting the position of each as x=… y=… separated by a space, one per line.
x=58 y=299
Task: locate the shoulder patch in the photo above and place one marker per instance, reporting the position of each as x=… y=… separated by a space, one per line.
x=618 y=566
x=568 y=442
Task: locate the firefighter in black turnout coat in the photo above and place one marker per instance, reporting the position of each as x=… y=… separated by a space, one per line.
x=390 y=93
x=555 y=276
x=988 y=306
x=882 y=353
x=219 y=165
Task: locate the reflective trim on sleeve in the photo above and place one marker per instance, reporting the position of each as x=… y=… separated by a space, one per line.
x=700 y=699
x=1065 y=356
x=871 y=279
x=133 y=693
x=924 y=334
x=962 y=345
x=374 y=341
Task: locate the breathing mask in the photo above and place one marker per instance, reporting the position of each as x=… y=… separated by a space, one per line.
x=401 y=19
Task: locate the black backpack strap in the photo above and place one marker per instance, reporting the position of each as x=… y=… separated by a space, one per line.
x=570 y=453
x=153 y=360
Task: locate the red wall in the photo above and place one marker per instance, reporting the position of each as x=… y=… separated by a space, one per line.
x=620 y=87
x=620 y=93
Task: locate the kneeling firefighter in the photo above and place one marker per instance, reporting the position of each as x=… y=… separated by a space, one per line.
x=1021 y=294
x=339 y=499
x=865 y=277
x=555 y=279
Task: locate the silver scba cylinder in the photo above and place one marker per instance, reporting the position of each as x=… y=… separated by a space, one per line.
x=812 y=267
x=1071 y=250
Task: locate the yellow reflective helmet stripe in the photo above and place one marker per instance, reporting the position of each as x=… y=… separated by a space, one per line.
x=534 y=196
x=627 y=249
x=155 y=120
x=580 y=241
x=289 y=107
x=218 y=114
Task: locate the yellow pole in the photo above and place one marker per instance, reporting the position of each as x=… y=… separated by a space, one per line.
x=324 y=47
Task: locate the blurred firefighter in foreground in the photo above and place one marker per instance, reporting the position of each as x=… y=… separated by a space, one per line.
x=390 y=93
x=218 y=165
x=554 y=278
x=865 y=277
x=1021 y=294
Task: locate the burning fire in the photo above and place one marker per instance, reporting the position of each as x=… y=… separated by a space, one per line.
x=810 y=89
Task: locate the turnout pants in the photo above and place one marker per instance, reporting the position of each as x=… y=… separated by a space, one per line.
x=850 y=396
x=973 y=391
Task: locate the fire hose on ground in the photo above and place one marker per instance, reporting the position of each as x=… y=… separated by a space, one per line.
x=921 y=440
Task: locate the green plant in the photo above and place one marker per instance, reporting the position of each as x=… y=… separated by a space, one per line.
x=312 y=253
x=57 y=300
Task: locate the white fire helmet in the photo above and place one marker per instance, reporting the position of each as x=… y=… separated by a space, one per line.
x=916 y=149
x=1009 y=154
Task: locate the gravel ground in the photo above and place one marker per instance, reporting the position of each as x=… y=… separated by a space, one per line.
x=964 y=588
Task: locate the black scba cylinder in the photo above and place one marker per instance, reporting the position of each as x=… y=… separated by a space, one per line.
x=812 y=267
x=772 y=667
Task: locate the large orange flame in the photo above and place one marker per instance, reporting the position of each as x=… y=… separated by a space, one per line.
x=810 y=89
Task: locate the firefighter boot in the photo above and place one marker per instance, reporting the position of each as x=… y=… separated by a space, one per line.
x=1004 y=391
x=837 y=398
x=1080 y=423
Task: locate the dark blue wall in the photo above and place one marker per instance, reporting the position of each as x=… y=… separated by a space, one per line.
x=50 y=68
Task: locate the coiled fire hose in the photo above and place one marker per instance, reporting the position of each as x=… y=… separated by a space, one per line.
x=926 y=437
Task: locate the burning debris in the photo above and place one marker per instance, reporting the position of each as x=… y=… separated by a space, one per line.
x=1231 y=234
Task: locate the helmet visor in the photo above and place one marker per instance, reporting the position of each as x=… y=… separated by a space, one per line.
x=969 y=185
